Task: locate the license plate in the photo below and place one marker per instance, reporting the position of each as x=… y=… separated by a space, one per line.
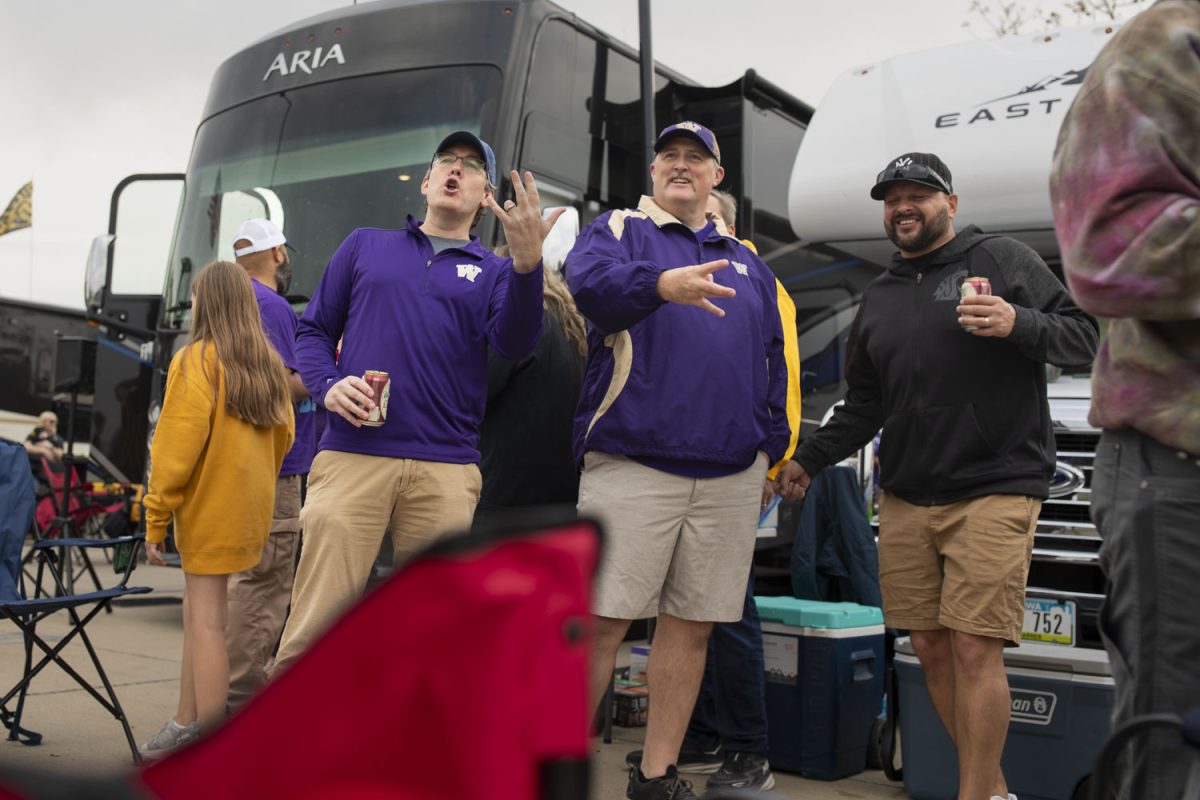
x=1049 y=621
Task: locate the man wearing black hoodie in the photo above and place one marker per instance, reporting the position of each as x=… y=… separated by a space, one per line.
x=958 y=385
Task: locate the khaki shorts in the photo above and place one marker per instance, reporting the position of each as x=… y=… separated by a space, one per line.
x=961 y=566
x=677 y=545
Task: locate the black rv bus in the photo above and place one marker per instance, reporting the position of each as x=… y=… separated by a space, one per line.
x=330 y=124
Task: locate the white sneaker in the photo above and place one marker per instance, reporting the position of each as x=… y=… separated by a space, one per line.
x=170 y=736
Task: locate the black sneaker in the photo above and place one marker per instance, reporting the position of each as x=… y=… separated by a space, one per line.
x=668 y=787
x=691 y=760
x=743 y=771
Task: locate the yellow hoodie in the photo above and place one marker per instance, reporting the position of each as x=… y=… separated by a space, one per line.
x=214 y=473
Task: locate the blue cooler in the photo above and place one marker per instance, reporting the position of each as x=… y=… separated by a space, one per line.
x=824 y=669
x=1062 y=702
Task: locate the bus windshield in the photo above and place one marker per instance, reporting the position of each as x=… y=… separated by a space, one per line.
x=320 y=161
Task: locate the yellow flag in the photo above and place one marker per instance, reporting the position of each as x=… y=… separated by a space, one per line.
x=19 y=213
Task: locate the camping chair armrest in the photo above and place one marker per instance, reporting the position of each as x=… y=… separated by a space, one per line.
x=45 y=544
x=133 y=542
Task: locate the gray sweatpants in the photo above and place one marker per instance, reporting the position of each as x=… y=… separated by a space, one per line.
x=1146 y=503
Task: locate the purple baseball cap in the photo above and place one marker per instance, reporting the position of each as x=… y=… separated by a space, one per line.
x=693 y=129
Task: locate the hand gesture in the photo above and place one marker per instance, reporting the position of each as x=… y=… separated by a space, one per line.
x=524 y=227
x=987 y=315
x=792 y=482
x=352 y=399
x=693 y=286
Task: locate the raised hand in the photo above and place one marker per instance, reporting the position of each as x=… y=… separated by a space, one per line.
x=524 y=227
x=692 y=286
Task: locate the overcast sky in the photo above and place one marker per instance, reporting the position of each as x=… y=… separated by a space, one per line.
x=97 y=91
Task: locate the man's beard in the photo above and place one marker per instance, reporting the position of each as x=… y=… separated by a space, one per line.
x=283 y=277
x=931 y=230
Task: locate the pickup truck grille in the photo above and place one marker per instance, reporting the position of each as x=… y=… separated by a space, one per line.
x=1066 y=548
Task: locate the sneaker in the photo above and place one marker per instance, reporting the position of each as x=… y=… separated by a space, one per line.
x=668 y=787
x=170 y=736
x=691 y=760
x=743 y=771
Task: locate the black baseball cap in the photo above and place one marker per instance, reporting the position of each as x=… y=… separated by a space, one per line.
x=923 y=168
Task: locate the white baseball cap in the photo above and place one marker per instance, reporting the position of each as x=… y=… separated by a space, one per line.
x=262 y=235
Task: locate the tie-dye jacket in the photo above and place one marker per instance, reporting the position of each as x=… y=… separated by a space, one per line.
x=1125 y=188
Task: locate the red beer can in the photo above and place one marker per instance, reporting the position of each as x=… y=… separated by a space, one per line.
x=972 y=287
x=381 y=384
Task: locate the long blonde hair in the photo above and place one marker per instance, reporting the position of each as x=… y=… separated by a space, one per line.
x=225 y=315
x=556 y=298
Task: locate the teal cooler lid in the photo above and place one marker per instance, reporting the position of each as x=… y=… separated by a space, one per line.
x=817 y=614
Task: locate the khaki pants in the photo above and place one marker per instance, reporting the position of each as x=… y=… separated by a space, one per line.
x=259 y=596
x=353 y=500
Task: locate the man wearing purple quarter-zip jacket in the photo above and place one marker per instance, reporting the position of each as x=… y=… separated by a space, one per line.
x=422 y=304
x=682 y=411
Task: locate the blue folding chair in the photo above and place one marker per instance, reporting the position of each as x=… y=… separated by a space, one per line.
x=16 y=514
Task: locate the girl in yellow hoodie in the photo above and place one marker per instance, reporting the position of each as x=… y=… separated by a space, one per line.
x=225 y=427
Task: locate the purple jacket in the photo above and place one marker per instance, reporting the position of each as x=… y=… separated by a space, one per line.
x=424 y=319
x=673 y=381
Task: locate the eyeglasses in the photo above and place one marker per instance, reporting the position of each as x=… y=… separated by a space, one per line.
x=913 y=172
x=471 y=163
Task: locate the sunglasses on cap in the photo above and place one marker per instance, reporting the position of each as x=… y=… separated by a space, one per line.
x=914 y=172
x=471 y=163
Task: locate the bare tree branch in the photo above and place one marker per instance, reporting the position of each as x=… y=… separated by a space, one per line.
x=1014 y=17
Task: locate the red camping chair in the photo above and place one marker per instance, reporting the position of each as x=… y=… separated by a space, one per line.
x=90 y=505
x=86 y=501
x=463 y=677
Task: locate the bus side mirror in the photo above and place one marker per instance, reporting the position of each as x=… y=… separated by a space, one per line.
x=561 y=238
x=129 y=261
x=96 y=277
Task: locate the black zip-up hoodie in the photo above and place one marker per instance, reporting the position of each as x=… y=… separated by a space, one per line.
x=962 y=416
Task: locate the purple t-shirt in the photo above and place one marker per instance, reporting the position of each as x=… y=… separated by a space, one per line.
x=280 y=323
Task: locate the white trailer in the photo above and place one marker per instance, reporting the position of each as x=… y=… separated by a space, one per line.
x=990 y=109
